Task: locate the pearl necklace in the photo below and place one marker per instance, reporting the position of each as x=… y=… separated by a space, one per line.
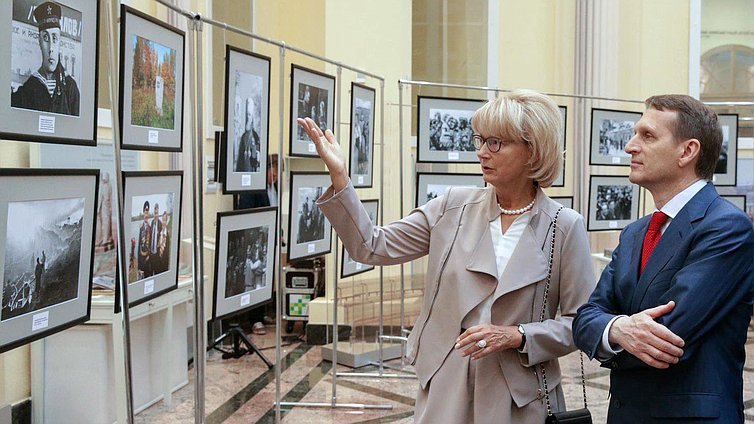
x=516 y=211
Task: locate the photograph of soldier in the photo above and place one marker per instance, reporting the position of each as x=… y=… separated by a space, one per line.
x=311 y=221
x=614 y=135
x=151 y=229
x=46 y=56
x=42 y=254
x=153 y=84
x=246 y=267
x=312 y=103
x=247 y=120
x=614 y=202
x=450 y=130
x=362 y=136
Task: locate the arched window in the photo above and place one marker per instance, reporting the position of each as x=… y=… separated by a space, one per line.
x=727 y=73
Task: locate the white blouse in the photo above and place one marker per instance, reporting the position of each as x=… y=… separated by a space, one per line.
x=503 y=244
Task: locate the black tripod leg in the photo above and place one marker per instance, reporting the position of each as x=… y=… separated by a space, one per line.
x=252 y=347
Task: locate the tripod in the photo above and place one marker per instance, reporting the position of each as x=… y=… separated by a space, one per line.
x=241 y=345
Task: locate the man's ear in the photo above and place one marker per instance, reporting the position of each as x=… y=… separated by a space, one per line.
x=691 y=149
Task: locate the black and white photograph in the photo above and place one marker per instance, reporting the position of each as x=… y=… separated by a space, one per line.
x=738 y=200
x=444 y=130
x=348 y=266
x=613 y=202
x=361 y=151
x=312 y=96
x=151 y=83
x=610 y=133
x=152 y=218
x=725 y=171
x=52 y=52
x=309 y=232
x=432 y=185
x=47 y=250
x=247 y=107
x=560 y=181
x=245 y=259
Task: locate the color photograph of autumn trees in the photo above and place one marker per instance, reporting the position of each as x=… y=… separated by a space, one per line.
x=153 y=85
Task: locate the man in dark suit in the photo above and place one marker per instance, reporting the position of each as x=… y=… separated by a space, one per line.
x=155 y=266
x=670 y=313
x=145 y=238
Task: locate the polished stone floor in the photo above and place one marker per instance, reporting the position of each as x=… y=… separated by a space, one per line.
x=243 y=390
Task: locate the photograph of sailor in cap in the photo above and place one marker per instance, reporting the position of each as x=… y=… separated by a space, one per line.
x=47 y=86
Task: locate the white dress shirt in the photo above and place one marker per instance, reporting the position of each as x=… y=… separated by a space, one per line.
x=671 y=209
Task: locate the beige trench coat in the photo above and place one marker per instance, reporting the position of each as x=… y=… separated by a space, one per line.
x=462 y=271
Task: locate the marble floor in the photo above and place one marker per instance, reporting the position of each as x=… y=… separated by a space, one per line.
x=243 y=390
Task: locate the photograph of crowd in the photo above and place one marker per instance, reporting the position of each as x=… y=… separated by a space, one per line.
x=150 y=235
x=450 y=130
x=42 y=254
x=611 y=130
x=247 y=119
x=614 y=135
x=246 y=266
x=311 y=220
x=153 y=84
x=614 y=202
x=46 y=57
x=312 y=103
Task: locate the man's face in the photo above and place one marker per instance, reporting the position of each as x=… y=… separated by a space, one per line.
x=654 y=150
x=49 y=43
x=156 y=212
x=146 y=214
x=249 y=114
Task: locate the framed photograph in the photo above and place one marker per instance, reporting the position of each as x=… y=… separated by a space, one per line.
x=444 y=130
x=613 y=203
x=50 y=52
x=560 y=181
x=245 y=260
x=738 y=200
x=566 y=201
x=361 y=151
x=312 y=96
x=247 y=120
x=151 y=83
x=46 y=251
x=431 y=185
x=349 y=267
x=611 y=131
x=309 y=232
x=725 y=172
x=153 y=204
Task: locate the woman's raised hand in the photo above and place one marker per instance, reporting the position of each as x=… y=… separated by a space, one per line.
x=329 y=150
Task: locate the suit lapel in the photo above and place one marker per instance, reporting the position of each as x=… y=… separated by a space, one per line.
x=527 y=264
x=483 y=258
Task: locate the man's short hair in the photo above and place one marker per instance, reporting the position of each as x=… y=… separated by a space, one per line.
x=146 y=206
x=694 y=120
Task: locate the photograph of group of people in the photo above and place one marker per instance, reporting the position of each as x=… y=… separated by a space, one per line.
x=611 y=130
x=312 y=103
x=362 y=136
x=150 y=229
x=311 y=220
x=246 y=266
x=614 y=202
x=614 y=135
x=450 y=130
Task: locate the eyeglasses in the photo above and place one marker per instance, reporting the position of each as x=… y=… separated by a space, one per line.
x=493 y=143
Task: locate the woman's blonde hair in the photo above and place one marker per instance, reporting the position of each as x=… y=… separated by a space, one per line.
x=529 y=117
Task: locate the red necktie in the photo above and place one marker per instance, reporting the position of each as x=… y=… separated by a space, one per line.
x=652 y=237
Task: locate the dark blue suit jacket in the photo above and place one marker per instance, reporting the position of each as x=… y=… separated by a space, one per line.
x=705 y=263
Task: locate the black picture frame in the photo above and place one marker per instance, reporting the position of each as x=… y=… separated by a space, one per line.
x=254 y=66
x=78 y=190
x=299 y=248
x=600 y=147
x=152 y=184
x=30 y=124
x=348 y=267
x=224 y=306
x=597 y=223
x=147 y=137
x=560 y=181
x=443 y=179
x=299 y=143
x=362 y=98
x=425 y=107
x=729 y=152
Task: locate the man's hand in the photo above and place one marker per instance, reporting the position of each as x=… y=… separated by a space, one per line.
x=644 y=338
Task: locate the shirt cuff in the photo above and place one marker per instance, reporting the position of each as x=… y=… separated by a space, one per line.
x=606 y=351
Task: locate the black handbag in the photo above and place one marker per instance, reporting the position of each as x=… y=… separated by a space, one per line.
x=577 y=416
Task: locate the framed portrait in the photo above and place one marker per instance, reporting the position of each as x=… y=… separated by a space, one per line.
x=444 y=130
x=349 y=267
x=613 y=203
x=247 y=120
x=560 y=181
x=46 y=251
x=312 y=96
x=245 y=260
x=611 y=131
x=430 y=185
x=50 y=52
x=361 y=151
x=566 y=201
x=151 y=83
x=738 y=200
x=725 y=171
x=309 y=232
x=152 y=201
